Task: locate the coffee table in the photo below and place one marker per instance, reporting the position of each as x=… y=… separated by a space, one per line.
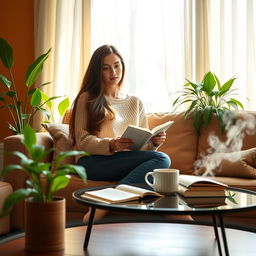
x=237 y=200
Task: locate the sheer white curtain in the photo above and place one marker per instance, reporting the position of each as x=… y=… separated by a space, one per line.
x=150 y=36
x=62 y=26
x=232 y=45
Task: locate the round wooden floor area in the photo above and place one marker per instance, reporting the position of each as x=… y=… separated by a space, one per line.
x=145 y=239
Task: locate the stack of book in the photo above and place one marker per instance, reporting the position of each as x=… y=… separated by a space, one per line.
x=201 y=191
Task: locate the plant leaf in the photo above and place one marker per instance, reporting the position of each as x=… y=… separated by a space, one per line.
x=29 y=139
x=218 y=81
x=36 y=98
x=13 y=129
x=63 y=155
x=6 y=53
x=11 y=93
x=10 y=168
x=70 y=168
x=238 y=103
x=207 y=114
x=209 y=82
x=39 y=152
x=5 y=81
x=24 y=159
x=197 y=120
x=191 y=107
x=36 y=68
x=63 y=106
x=16 y=197
x=59 y=182
x=45 y=112
x=45 y=99
x=225 y=87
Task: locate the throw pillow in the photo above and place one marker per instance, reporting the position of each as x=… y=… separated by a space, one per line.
x=235 y=164
x=61 y=139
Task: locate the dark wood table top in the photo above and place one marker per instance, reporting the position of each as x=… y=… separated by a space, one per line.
x=142 y=239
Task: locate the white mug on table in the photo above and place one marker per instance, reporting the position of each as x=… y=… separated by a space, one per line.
x=164 y=180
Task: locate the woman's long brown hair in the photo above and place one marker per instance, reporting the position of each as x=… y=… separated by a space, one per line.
x=92 y=84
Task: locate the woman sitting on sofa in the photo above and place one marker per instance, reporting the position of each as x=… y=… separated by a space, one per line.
x=101 y=113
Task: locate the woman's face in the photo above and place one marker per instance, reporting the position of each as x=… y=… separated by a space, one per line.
x=111 y=70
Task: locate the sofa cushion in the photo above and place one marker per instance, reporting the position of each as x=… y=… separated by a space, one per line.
x=181 y=142
x=61 y=139
x=234 y=164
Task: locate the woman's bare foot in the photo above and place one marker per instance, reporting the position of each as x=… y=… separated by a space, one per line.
x=99 y=214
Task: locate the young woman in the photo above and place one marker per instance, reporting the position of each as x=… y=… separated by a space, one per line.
x=101 y=113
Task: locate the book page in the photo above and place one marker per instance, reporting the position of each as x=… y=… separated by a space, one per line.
x=109 y=195
x=161 y=127
x=136 y=190
x=139 y=136
x=190 y=180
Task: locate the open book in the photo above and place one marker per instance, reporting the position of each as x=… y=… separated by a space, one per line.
x=119 y=194
x=195 y=186
x=141 y=136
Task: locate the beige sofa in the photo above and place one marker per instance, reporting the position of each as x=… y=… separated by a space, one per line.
x=183 y=146
x=5 y=190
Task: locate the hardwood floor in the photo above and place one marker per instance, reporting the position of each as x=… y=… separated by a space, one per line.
x=145 y=239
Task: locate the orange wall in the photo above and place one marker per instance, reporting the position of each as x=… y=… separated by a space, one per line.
x=17 y=27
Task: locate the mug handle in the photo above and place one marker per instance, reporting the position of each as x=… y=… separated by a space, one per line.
x=146 y=178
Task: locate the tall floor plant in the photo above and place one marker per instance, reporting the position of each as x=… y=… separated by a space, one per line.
x=21 y=110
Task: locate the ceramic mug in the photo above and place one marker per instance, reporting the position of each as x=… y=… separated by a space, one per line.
x=165 y=181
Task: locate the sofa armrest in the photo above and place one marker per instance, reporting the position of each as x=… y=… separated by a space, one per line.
x=18 y=178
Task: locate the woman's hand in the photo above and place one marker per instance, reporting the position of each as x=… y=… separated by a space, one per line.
x=120 y=144
x=158 y=139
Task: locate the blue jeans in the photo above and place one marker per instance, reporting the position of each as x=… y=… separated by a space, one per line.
x=127 y=167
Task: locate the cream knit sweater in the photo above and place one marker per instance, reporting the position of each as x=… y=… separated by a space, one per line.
x=128 y=110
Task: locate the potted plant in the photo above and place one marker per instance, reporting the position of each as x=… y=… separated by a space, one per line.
x=207 y=98
x=22 y=112
x=44 y=212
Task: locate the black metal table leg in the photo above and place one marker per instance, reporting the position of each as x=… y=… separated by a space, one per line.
x=89 y=228
x=216 y=234
x=224 y=238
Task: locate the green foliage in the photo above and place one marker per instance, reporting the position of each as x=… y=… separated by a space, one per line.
x=22 y=112
x=207 y=98
x=56 y=174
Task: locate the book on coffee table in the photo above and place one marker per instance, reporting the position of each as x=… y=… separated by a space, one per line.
x=141 y=136
x=119 y=194
x=203 y=202
x=197 y=186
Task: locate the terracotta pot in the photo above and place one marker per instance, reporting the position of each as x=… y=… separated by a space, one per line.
x=45 y=225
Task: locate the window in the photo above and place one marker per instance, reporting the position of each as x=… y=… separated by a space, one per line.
x=150 y=36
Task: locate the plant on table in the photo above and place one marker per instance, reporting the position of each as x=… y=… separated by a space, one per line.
x=207 y=98
x=22 y=112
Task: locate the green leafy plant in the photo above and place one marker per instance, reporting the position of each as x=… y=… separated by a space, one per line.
x=206 y=98
x=57 y=175
x=22 y=112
